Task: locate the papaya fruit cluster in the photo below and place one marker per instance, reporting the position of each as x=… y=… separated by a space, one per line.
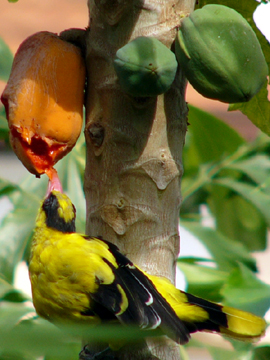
x=215 y=47
x=44 y=99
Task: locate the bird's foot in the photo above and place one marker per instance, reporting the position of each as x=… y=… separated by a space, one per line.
x=106 y=354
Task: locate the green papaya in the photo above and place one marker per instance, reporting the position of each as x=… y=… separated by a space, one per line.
x=145 y=67
x=220 y=54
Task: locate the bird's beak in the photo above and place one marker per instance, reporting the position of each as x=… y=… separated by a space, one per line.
x=54 y=182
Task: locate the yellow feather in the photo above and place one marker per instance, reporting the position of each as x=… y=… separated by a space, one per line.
x=178 y=300
x=243 y=325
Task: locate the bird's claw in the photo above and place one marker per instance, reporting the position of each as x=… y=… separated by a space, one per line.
x=106 y=354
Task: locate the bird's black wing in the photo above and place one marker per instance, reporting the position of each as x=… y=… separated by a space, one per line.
x=134 y=300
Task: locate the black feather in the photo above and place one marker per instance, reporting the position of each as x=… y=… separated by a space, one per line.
x=216 y=319
x=146 y=306
x=53 y=220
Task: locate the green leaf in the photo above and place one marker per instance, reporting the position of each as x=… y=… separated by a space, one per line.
x=261 y=353
x=245 y=291
x=242 y=350
x=253 y=194
x=7 y=187
x=4 y=130
x=257 y=109
x=6 y=59
x=183 y=353
x=203 y=281
x=38 y=337
x=9 y=293
x=16 y=230
x=206 y=153
x=33 y=337
x=209 y=139
x=75 y=191
x=236 y=216
x=224 y=354
x=244 y=7
x=7 y=356
x=226 y=252
x=205 y=173
x=11 y=314
x=71 y=172
x=256 y=167
x=238 y=219
x=37 y=186
x=242 y=346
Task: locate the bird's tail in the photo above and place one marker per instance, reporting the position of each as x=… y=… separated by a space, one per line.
x=237 y=324
x=202 y=315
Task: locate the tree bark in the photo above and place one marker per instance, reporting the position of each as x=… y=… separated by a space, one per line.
x=134 y=145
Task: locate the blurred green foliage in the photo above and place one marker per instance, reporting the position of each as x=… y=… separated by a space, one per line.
x=230 y=178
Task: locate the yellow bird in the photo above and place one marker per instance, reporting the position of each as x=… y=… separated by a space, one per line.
x=81 y=279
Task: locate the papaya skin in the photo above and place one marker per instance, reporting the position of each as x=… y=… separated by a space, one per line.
x=220 y=54
x=44 y=100
x=145 y=67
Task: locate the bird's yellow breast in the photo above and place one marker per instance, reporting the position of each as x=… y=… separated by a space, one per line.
x=65 y=269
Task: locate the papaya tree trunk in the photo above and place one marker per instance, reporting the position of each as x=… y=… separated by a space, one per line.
x=134 y=145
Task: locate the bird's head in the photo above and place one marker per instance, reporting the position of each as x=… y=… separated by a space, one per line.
x=58 y=212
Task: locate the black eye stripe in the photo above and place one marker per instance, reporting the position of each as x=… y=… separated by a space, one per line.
x=53 y=220
x=50 y=203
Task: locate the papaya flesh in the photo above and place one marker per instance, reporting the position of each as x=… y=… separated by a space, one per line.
x=145 y=67
x=43 y=100
x=220 y=54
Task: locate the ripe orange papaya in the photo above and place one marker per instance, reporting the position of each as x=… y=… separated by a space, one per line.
x=44 y=100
